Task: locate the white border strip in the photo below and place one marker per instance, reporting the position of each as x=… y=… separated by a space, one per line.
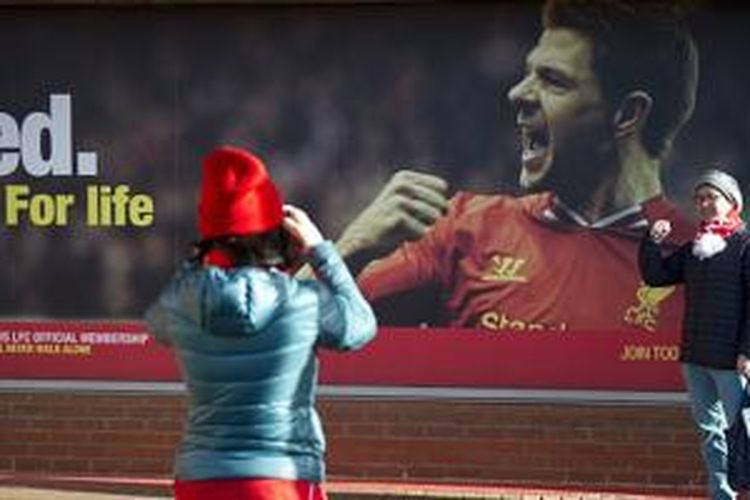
x=516 y=395
x=10 y=385
x=376 y=392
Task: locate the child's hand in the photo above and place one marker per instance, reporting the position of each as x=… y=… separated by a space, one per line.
x=299 y=225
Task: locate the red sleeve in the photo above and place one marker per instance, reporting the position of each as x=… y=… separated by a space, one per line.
x=400 y=271
x=415 y=264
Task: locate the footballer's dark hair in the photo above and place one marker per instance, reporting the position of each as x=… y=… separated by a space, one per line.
x=638 y=45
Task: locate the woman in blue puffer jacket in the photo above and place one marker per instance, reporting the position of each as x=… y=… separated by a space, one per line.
x=246 y=334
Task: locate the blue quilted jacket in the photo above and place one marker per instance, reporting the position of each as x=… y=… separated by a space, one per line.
x=246 y=341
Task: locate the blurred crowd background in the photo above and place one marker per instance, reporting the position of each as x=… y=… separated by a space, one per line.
x=335 y=98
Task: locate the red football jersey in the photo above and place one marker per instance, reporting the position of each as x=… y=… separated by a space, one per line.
x=528 y=263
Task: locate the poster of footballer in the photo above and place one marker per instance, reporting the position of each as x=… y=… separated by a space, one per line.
x=486 y=171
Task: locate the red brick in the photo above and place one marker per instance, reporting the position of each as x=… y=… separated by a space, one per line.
x=161 y=425
x=663 y=478
x=69 y=436
x=124 y=424
x=31 y=464
x=48 y=450
x=361 y=429
x=628 y=477
x=8 y=450
x=107 y=466
x=430 y=440
x=520 y=476
x=151 y=467
x=25 y=436
x=71 y=466
x=586 y=476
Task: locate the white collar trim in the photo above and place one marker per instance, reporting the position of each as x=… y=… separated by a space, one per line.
x=604 y=222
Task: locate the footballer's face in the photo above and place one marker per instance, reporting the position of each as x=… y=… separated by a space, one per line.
x=560 y=113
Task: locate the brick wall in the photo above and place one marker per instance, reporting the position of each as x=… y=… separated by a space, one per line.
x=644 y=448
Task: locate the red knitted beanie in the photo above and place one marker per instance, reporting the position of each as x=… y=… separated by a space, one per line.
x=237 y=195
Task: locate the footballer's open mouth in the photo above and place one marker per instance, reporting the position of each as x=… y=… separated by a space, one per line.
x=535 y=147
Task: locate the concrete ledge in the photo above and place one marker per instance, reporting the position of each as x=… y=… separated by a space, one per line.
x=37 y=487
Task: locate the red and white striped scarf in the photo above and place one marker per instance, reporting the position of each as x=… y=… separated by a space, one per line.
x=712 y=234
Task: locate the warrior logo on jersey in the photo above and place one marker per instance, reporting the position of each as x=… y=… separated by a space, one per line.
x=645 y=314
x=505 y=268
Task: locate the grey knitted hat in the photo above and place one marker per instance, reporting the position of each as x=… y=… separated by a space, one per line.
x=724 y=182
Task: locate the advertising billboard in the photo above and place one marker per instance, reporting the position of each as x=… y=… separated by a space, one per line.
x=455 y=136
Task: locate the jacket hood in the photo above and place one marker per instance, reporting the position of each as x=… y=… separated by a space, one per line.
x=227 y=303
x=239 y=301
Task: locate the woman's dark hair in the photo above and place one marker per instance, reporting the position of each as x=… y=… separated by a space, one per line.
x=274 y=248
